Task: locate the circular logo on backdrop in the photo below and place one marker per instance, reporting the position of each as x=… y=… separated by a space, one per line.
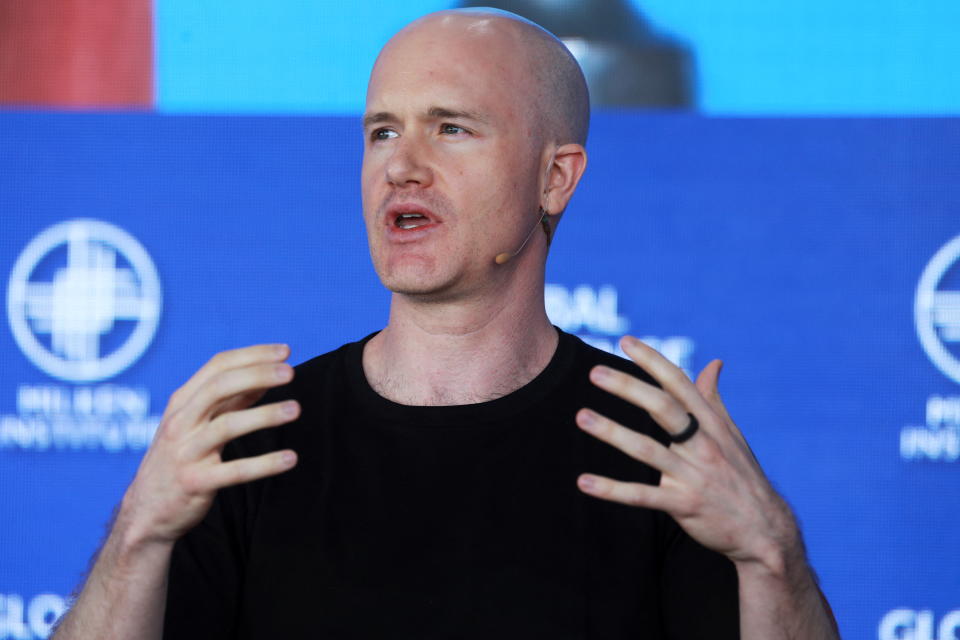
x=937 y=309
x=83 y=300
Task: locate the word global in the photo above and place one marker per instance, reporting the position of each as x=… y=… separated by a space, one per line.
x=593 y=315
x=908 y=624
x=22 y=619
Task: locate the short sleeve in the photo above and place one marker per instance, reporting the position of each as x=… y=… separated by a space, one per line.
x=206 y=574
x=700 y=589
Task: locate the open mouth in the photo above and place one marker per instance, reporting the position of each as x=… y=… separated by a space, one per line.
x=411 y=220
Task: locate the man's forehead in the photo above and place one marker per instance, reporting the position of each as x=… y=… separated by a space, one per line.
x=432 y=113
x=429 y=79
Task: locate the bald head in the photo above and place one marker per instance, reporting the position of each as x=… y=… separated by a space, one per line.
x=548 y=80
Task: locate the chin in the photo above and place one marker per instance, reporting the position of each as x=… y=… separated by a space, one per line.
x=429 y=277
x=426 y=287
x=414 y=279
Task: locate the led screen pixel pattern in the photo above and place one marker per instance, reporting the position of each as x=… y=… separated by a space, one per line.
x=799 y=264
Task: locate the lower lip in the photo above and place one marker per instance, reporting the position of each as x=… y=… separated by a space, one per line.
x=396 y=234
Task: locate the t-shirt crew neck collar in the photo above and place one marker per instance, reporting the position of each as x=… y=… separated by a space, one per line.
x=543 y=383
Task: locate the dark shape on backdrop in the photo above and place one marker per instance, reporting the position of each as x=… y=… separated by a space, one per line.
x=626 y=63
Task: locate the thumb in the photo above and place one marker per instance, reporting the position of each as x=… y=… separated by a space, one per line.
x=708 y=380
x=708 y=386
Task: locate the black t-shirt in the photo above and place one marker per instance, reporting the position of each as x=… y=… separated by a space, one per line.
x=445 y=522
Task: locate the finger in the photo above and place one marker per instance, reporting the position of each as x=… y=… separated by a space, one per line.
x=708 y=385
x=634 y=494
x=223 y=361
x=229 y=383
x=636 y=445
x=237 y=402
x=226 y=474
x=663 y=407
x=234 y=424
x=673 y=380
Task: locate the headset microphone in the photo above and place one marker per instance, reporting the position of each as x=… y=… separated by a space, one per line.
x=503 y=258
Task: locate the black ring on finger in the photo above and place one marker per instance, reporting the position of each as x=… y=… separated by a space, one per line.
x=687 y=433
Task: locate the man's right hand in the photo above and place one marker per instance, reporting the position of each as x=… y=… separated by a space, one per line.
x=183 y=469
x=175 y=486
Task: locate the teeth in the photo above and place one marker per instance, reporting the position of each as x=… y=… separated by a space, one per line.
x=404 y=217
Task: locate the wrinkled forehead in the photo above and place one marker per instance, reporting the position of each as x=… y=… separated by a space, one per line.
x=452 y=58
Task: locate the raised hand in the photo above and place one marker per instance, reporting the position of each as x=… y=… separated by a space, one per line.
x=174 y=488
x=183 y=469
x=711 y=483
x=713 y=486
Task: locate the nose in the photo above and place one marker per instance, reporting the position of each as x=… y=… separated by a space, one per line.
x=408 y=165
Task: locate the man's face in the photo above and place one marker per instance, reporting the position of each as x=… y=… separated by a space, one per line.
x=451 y=161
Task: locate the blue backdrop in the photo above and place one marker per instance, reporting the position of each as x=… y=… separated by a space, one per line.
x=763 y=57
x=791 y=248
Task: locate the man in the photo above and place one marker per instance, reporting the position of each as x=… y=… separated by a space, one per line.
x=421 y=482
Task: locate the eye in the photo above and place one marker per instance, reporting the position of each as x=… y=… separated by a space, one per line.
x=382 y=134
x=452 y=129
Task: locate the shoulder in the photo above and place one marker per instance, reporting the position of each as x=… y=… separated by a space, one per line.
x=587 y=356
x=314 y=376
x=319 y=385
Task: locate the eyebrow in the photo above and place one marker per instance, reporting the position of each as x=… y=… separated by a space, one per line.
x=432 y=113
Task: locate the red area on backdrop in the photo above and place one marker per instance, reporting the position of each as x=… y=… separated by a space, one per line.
x=76 y=53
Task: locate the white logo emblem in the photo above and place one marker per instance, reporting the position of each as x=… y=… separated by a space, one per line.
x=937 y=310
x=92 y=318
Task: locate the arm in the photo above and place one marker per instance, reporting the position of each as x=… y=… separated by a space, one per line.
x=714 y=488
x=783 y=601
x=125 y=593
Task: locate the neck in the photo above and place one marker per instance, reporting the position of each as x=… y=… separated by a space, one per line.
x=463 y=352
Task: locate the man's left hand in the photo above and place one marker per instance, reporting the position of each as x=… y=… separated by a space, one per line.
x=711 y=484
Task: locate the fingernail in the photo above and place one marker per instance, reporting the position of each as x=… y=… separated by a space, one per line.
x=586 y=482
x=289 y=458
x=281 y=349
x=587 y=419
x=282 y=372
x=289 y=409
x=599 y=373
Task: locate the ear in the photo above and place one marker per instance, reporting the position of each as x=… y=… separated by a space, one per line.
x=563 y=173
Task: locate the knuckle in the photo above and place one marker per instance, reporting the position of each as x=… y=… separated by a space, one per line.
x=221 y=383
x=219 y=359
x=711 y=453
x=164 y=429
x=622 y=382
x=171 y=426
x=181 y=459
x=638 y=447
x=189 y=480
x=659 y=402
x=635 y=497
x=698 y=484
x=674 y=376
x=225 y=426
x=237 y=472
x=177 y=397
x=688 y=505
x=268 y=373
x=606 y=428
